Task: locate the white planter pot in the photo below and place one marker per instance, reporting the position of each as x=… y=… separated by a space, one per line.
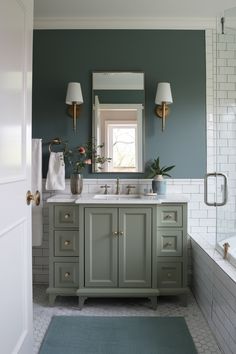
x=159 y=185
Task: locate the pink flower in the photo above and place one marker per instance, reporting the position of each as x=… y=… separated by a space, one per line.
x=88 y=162
x=81 y=150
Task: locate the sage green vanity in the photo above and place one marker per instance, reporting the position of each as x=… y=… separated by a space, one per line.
x=117 y=249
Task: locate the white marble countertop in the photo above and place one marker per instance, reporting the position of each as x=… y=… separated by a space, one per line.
x=116 y=199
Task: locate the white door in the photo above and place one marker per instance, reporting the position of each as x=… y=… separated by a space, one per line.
x=16 y=18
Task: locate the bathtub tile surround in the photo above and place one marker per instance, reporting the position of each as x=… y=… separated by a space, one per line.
x=214 y=286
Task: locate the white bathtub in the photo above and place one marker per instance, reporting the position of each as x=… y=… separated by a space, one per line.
x=231 y=255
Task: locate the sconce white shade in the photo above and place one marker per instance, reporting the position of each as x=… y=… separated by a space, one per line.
x=163 y=93
x=74 y=93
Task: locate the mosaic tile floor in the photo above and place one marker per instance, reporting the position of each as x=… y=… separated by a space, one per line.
x=201 y=333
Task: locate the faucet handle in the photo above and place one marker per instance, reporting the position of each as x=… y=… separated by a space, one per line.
x=105 y=188
x=129 y=187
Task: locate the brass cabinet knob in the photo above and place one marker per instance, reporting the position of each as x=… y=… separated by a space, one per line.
x=168 y=275
x=121 y=233
x=66 y=216
x=168 y=217
x=115 y=233
x=67 y=275
x=67 y=243
x=33 y=197
x=168 y=244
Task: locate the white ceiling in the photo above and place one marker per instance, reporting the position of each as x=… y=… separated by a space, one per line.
x=48 y=11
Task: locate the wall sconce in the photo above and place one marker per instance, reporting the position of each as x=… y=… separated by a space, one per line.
x=74 y=99
x=163 y=98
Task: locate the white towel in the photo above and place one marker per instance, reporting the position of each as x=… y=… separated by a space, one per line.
x=56 y=172
x=37 y=211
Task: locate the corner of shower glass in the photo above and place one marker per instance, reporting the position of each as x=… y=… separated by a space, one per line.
x=225 y=116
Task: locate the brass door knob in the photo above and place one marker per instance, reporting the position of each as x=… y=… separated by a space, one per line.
x=33 y=197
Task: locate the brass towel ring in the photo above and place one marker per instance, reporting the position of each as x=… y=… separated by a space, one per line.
x=57 y=141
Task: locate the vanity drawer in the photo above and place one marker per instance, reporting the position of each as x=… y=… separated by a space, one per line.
x=66 y=275
x=169 y=275
x=66 y=243
x=170 y=215
x=169 y=242
x=66 y=216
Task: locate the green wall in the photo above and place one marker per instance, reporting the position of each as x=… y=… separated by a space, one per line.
x=175 y=56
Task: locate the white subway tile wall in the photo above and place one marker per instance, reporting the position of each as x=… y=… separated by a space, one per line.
x=224 y=47
x=214 y=279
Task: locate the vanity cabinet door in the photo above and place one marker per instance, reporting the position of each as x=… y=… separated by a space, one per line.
x=101 y=240
x=135 y=237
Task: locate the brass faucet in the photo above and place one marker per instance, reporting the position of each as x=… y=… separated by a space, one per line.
x=226 y=246
x=117 y=185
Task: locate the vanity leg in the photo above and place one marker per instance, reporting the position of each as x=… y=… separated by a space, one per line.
x=81 y=301
x=153 y=300
x=52 y=298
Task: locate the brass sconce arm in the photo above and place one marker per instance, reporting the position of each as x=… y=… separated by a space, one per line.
x=162 y=111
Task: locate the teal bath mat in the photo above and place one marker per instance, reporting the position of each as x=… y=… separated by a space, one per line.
x=117 y=335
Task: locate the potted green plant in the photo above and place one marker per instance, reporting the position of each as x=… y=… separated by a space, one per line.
x=157 y=173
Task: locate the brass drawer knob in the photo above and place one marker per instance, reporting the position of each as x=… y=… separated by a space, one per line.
x=67 y=275
x=67 y=243
x=66 y=216
x=168 y=217
x=168 y=244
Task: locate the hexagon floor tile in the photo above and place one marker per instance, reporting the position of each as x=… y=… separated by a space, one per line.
x=167 y=306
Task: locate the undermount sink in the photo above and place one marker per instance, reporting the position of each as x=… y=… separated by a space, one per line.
x=116 y=196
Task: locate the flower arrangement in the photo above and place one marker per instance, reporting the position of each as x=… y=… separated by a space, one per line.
x=83 y=155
